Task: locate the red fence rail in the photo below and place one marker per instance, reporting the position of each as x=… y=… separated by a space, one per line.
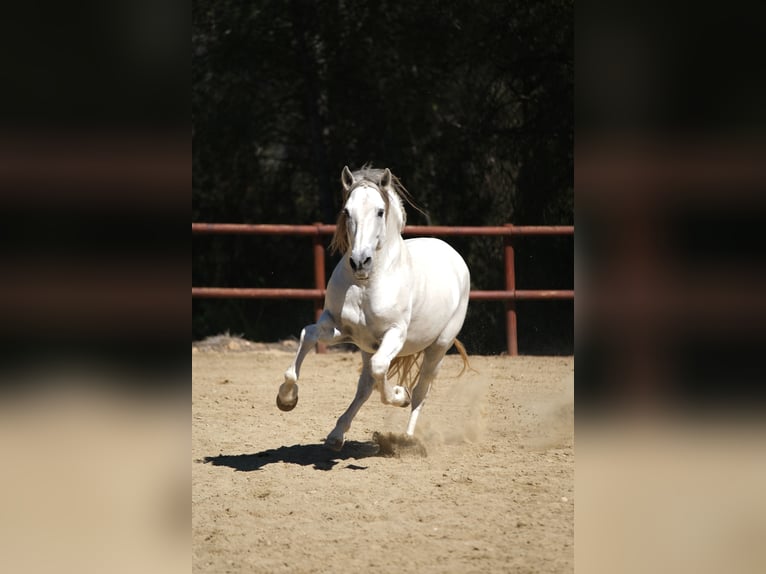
x=510 y=294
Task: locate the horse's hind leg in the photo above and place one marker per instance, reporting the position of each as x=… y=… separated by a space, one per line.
x=323 y=330
x=363 y=391
x=432 y=360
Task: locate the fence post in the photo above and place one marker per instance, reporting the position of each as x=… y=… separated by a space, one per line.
x=319 y=279
x=510 y=285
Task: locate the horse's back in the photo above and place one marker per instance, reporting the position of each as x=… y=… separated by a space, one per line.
x=438 y=260
x=441 y=288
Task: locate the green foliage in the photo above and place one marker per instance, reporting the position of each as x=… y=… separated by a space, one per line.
x=468 y=102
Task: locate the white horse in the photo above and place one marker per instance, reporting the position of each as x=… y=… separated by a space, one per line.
x=401 y=302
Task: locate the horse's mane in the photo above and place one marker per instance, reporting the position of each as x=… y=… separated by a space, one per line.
x=368 y=174
x=374 y=175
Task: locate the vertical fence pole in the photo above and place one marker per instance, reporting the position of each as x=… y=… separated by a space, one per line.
x=319 y=279
x=510 y=305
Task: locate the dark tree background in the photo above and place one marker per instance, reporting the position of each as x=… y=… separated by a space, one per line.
x=469 y=102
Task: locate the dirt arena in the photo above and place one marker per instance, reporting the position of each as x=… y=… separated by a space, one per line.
x=489 y=487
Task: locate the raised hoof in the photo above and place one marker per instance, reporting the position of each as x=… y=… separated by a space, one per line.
x=286 y=406
x=402 y=397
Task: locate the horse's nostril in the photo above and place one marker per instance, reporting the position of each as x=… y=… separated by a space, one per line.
x=367 y=261
x=353 y=264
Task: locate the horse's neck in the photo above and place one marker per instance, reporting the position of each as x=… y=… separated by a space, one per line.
x=394 y=259
x=395 y=252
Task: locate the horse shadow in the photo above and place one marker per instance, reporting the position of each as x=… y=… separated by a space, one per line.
x=316 y=455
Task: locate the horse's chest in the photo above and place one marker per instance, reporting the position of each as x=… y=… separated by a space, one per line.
x=364 y=319
x=358 y=316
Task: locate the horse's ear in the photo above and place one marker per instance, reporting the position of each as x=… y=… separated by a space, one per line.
x=346 y=178
x=385 y=179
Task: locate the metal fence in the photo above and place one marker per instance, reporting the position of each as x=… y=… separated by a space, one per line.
x=316 y=231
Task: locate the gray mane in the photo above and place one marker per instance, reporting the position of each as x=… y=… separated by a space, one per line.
x=374 y=175
x=368 y=173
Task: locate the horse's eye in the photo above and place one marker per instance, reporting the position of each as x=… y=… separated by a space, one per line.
x=345 y=212
x=380 y=213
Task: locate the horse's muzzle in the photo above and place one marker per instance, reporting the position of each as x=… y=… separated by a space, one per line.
x=360 y=266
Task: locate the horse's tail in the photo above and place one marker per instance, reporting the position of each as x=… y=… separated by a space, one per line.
x=407 y=369
x=463 y=355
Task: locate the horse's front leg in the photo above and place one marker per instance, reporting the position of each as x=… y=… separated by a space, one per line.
x=389 y=348
x=323 y=330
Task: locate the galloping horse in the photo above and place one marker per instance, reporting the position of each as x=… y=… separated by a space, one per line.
x=401 y=302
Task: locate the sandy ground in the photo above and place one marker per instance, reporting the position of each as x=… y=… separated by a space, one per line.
x=489 y=487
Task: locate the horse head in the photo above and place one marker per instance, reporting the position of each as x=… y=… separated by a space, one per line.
x=363 y=225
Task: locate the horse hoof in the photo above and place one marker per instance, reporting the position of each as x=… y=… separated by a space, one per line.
x=402 y=397
x=334 y=443
x=286 y=406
